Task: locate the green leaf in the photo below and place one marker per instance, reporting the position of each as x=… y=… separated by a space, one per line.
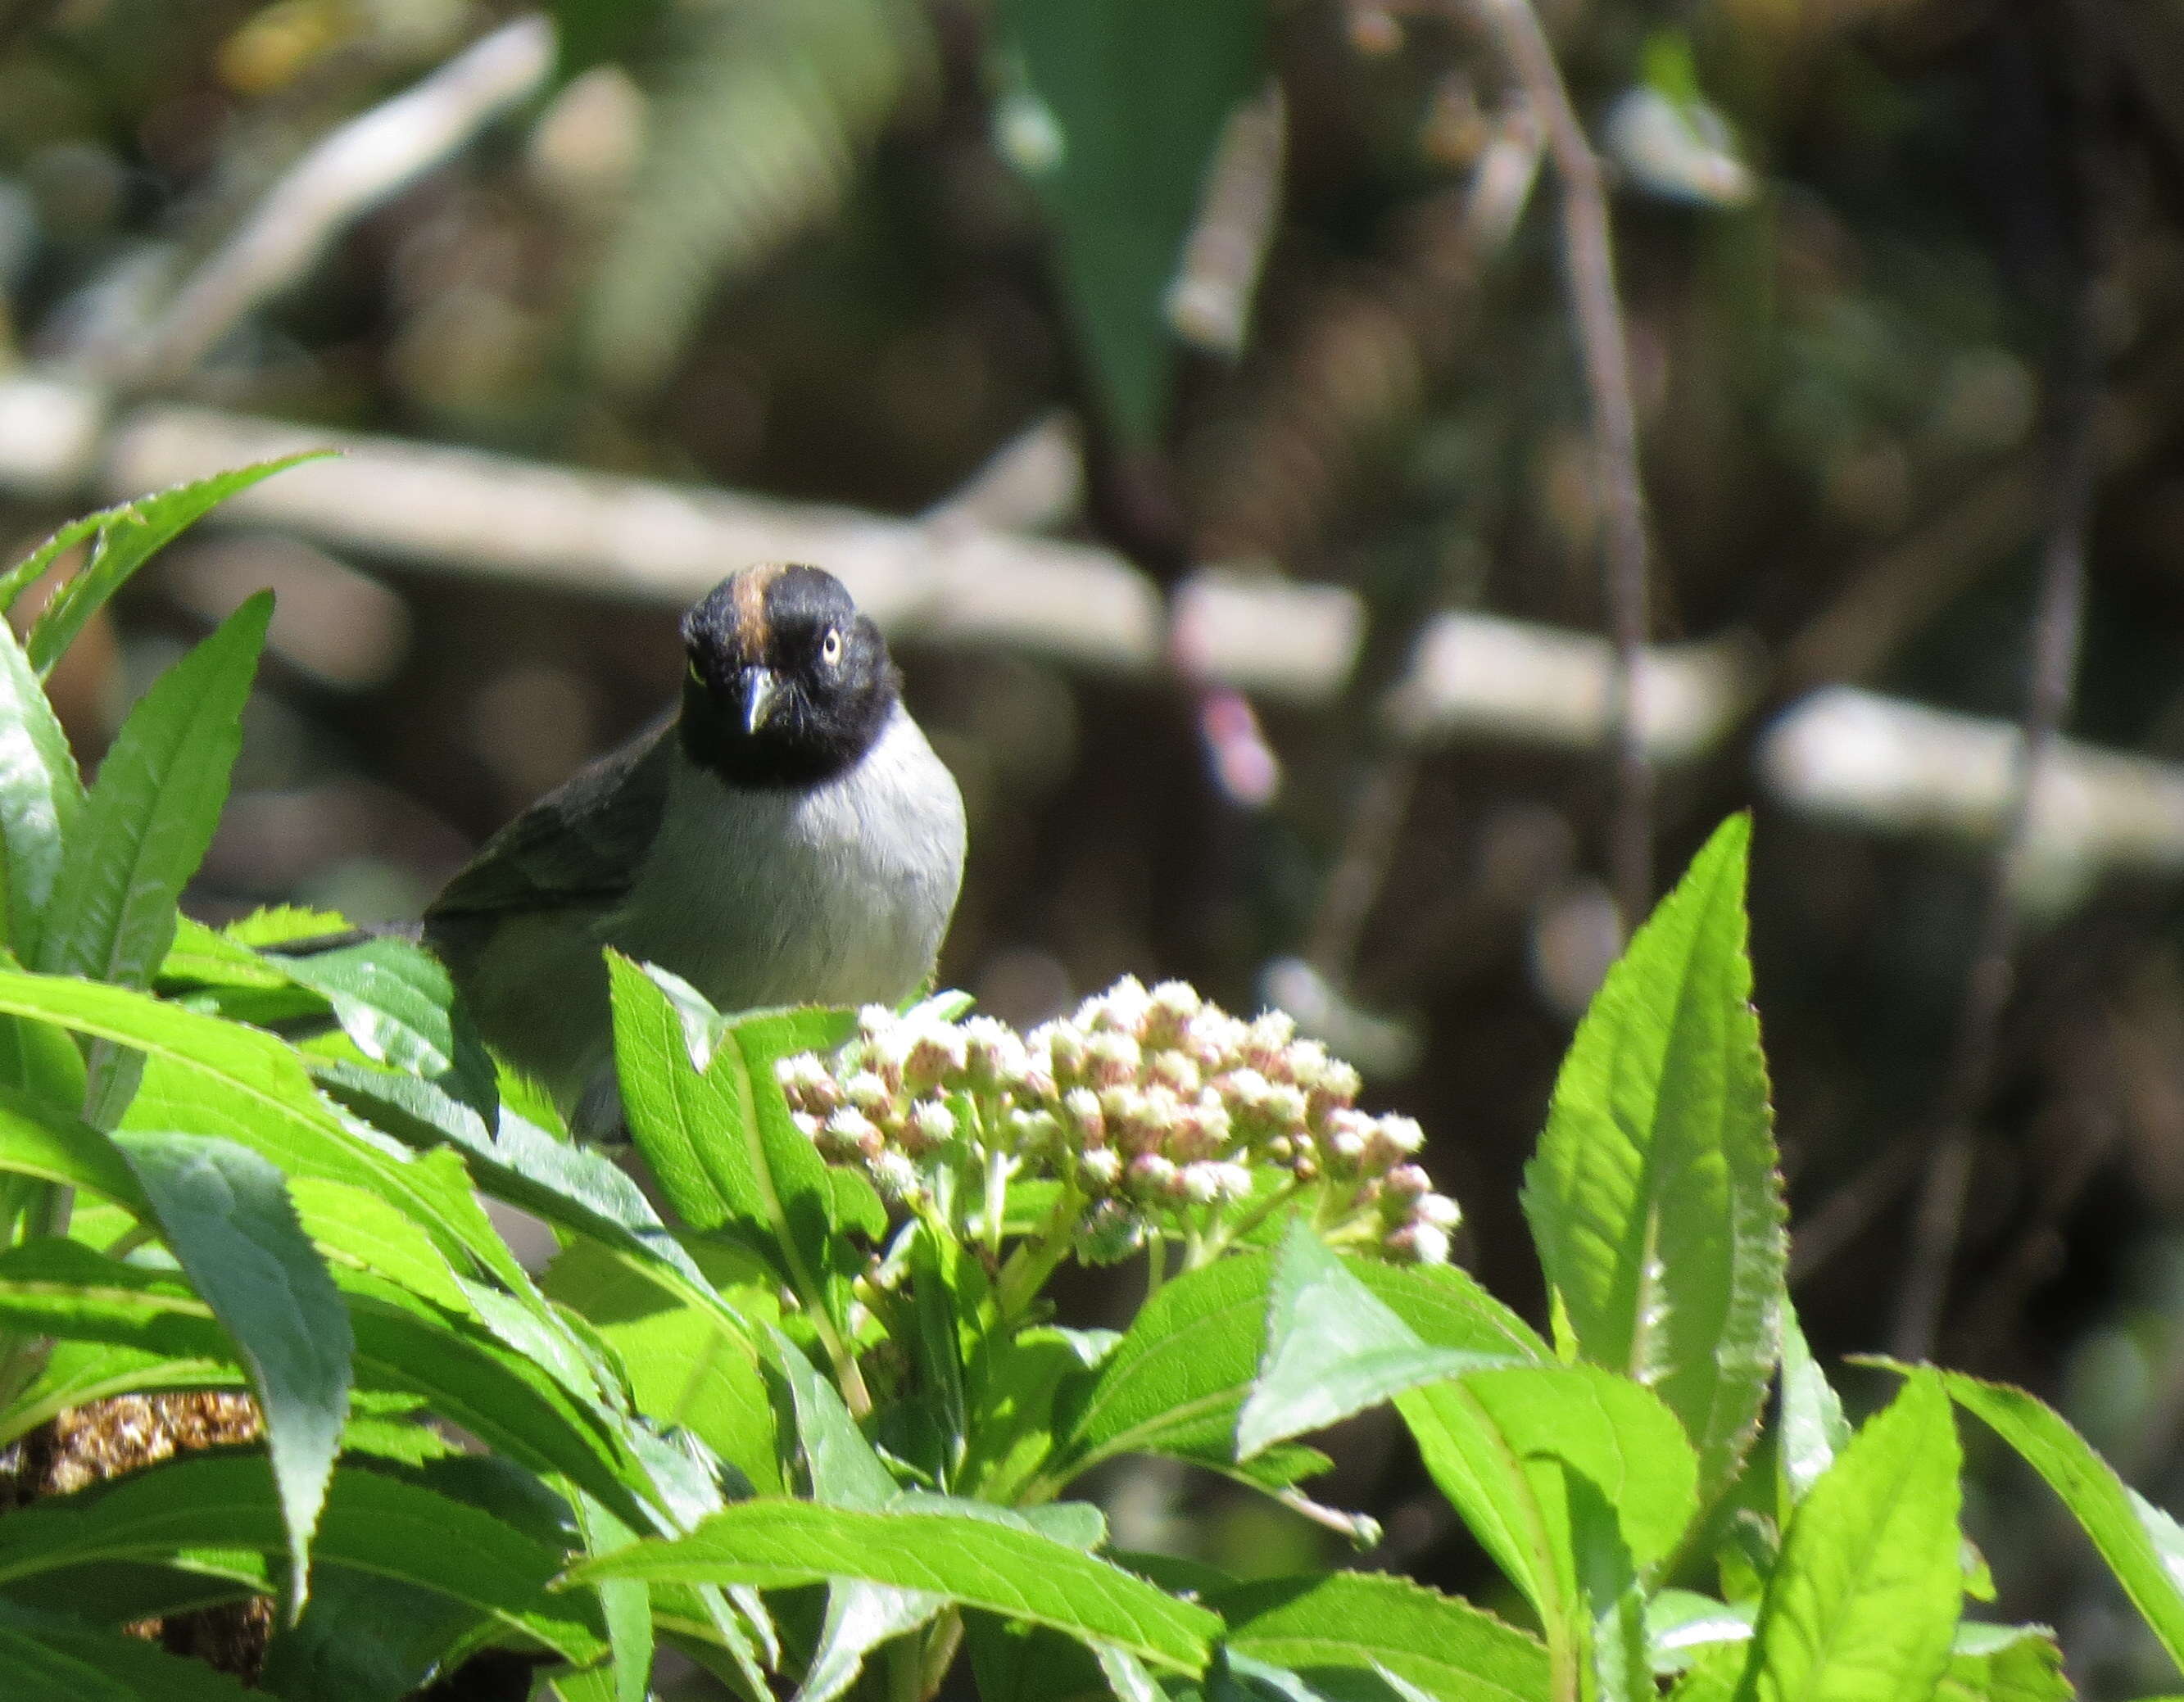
x=721 y=1142
x=1864 y=1599
x=1367 y=1622
x=128 y=535
x=210 y=1076
x=625 y=1603
x=363 y=1639
x=152 y=810
x=1607 y=1583
x=2143 y=1546
x=224 y=1213
x=685 y=1368
x=2004 y=1663
x=779 y=1544
x=1176 y=1382
x=360 y=1229
x=1332 y=1349
x=1681 y=1626
x=1495 y=1442
x=1114 y=112
x=39 y=1140
x=1813 y=1429
x=40 y=795
x=395 y=1001
x=1653 y=1196
x=217 y=1514
x=52 y=1657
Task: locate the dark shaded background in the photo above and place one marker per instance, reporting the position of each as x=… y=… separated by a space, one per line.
x=846 y=295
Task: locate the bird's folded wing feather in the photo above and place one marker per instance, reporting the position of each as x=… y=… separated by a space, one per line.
x=578 y=846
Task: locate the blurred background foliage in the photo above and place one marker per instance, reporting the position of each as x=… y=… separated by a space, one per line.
x=1238 y=252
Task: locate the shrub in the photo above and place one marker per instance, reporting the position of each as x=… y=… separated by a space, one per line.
x=818 y=1427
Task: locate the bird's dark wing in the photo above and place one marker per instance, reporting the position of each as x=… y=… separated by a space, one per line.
x=578 y=846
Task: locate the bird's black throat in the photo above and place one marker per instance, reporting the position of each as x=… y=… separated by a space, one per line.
x=814 y=737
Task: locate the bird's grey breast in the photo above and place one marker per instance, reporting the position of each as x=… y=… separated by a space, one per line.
x=836 y=894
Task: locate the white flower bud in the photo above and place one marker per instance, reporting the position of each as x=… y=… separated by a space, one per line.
x=1100 y=1168
x=851 y=1133
x=1409 y=1182
x=1437 y=1209
x=931 y=1125
x=869 y=1094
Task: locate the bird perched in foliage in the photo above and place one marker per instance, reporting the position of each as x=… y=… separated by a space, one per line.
x=788 y=837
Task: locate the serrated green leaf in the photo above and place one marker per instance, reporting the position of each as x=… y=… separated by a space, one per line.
x=284 y=925
x=53 y=1657
x=43 y=1141
x=685 y=1368
x=150 y=812
x=1614 y=1599
x=225 y=1214
x=1682 y=1625
x=210 y=1076
x=1864 y=1599
x=41 y=796
x=358 y=1226
x=2004 y=1663
x=395 y=1001
x=218 y=1514
x=1114 y=114
x=779 y=1544
x=1332 y=1349
x=1653 y=1196
x=1496 y=1443
x=128 y=535
x=2142 y=1545
x=363 y=1639
x=721 y=1142
x=1360 y=1622
x=1813 y=1429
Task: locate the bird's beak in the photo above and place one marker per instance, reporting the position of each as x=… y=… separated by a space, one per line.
x=759 y=686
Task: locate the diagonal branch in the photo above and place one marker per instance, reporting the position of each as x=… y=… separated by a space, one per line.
x=1589 y=258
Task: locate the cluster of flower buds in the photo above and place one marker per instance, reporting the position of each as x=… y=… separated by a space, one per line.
x=1161 y=1112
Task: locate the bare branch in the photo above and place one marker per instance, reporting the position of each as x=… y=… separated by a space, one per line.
x=2058 y=622
x=345 y=176
x=1589 y=258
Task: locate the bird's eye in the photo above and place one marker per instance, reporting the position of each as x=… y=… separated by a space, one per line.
x=830 y=646
x=697 y=673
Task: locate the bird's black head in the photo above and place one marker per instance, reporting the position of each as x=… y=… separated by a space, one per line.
x=788 y=684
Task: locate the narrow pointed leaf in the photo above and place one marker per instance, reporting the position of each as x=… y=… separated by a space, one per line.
x=150 y=812
x=780 y=1544
x=216 y=1511
x=52 y=1657
x=1654 y=1198
x=2142 y=1545
x=1813 y=1428
x=1353 y=1624
x=1332 y=1349
x=41 y=796
x=128 y=535
x=226 y=1215
x=1864 y=1599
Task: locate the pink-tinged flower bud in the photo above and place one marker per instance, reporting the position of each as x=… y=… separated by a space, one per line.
x=931 y=1125
x=1214 y=1039
x=1345 y=1136
x=1100 y=1168
x=1150 y=1173
x=896 y=1177
x=807 y=1084
x=1175 y=1072
x=1109 y=1233
x=849 y=1133
x=1066 y=1047
x=1439 y=1210
x=1281 y=1149
x=1409 y=1182
x=1088 y=1123
x=1418 y=1244
x=1125 y=1007
x=1033 y=1133
x=1199 y=1183
x=874 y=1020
x=1304 y=1167
x=933 y=1059
x=1308 y=1063
x=806 y=1125
x=1334 y=1084
x=1395 y=1139
x=866 y=1092
x=994 y=1057
x=1170 y=1009
x=1111 y=1059
x=1232 y=1181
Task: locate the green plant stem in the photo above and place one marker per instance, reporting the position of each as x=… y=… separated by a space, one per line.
x=1035 y=1259
x=942 y=1640
x=905 y=1670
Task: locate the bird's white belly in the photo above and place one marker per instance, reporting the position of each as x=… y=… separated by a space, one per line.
x=835 y=895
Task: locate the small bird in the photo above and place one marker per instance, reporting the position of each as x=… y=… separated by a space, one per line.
x=787 y=837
